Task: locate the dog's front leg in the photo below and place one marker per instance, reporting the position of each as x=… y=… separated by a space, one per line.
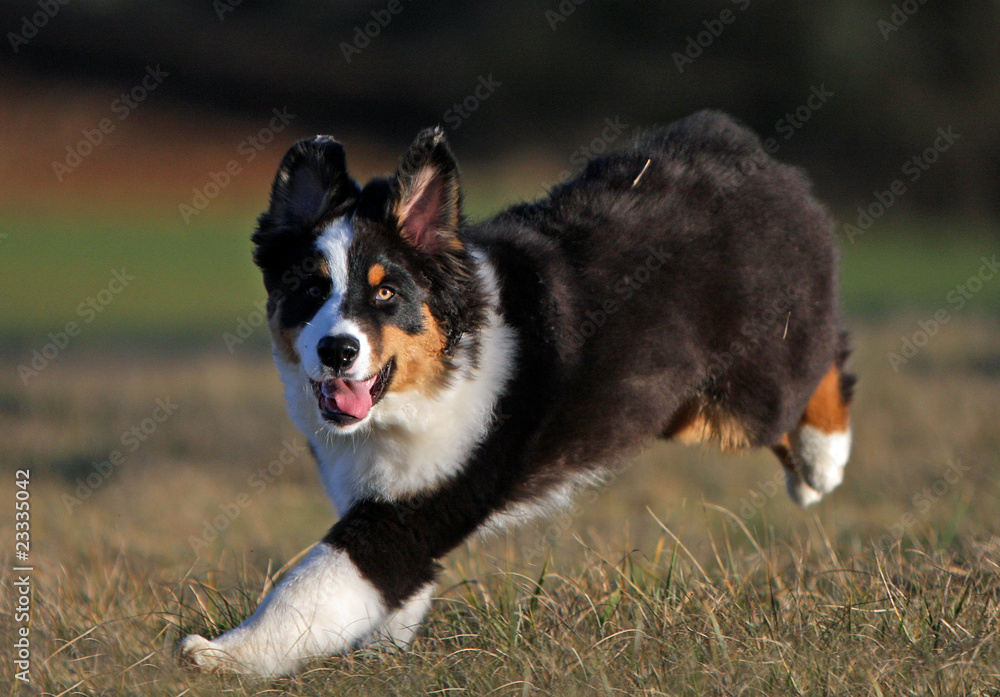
x=368 y=581
x=322 y=608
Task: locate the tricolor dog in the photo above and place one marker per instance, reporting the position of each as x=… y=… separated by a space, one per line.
x=454 y=377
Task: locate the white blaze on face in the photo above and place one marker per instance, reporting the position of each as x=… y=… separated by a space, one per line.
x=333 y=244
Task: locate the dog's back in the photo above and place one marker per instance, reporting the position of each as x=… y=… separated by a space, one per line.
x=685 y=287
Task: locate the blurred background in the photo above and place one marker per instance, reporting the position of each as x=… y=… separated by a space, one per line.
x=138 y=145
x=853 y=91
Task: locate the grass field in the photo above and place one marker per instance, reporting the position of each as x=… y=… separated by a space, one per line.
x=691 y=574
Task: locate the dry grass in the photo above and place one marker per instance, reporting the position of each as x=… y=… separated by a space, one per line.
x=786 y=620
x=721 y=587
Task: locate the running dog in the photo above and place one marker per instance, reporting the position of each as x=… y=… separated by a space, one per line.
x=454 y=377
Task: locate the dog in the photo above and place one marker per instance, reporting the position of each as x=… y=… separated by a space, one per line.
x=454 y=378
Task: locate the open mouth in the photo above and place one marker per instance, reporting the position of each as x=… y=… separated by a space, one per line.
x=344 y=402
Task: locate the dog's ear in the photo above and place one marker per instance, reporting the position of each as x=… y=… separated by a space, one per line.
x=426 y=198
x=311 y=184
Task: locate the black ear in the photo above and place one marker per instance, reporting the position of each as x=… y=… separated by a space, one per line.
x=311 y=184
x=426 y=194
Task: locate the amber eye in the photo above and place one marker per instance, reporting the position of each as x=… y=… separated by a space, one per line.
x=384 y=293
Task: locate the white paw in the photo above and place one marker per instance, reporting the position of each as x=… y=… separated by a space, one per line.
x=198 y=654
x=323 y=607
x=823 y=456
x=800 y=492
x=825 y=479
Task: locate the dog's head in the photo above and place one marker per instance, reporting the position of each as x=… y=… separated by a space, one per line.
x=370 y=291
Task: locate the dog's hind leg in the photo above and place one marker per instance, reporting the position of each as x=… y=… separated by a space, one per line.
x=815 y=452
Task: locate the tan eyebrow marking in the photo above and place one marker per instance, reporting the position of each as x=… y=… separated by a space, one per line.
x=376 y=274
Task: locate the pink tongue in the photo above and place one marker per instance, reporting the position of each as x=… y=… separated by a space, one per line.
x=353 y=397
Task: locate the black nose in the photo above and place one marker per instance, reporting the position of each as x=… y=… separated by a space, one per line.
x=338 y=352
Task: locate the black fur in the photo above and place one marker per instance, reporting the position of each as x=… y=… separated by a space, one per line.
x=445 y=265
x=688 y=267
x=310 y=188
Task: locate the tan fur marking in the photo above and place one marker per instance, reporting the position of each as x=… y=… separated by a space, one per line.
x=419 y=364
x=698 y=423
x=826 y=410
x=283 y=339
x=376 y=274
